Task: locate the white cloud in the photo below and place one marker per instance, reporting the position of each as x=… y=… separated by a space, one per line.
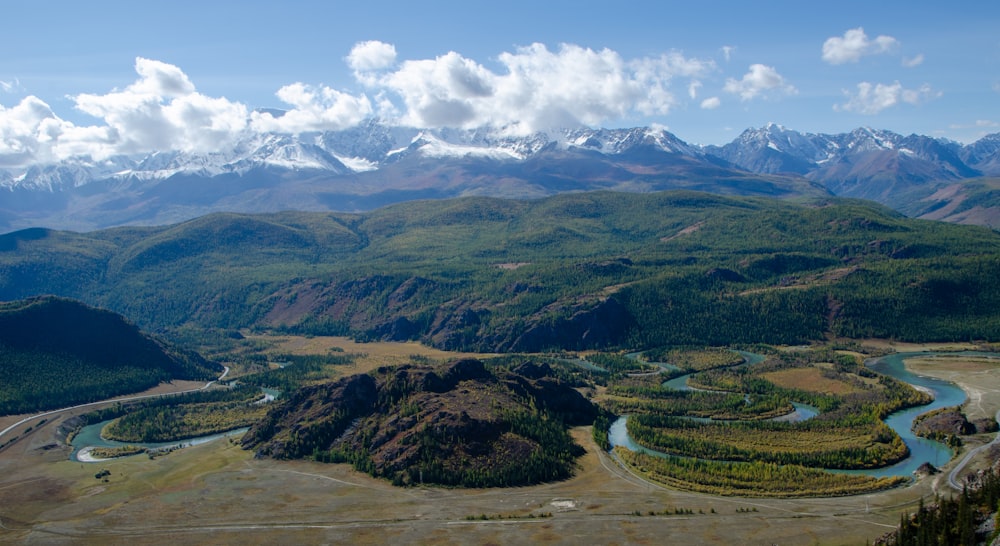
x=314 y=109
x=534 y=88
x=371 y=55
x=854 y=45
x=367 y=59
x=539 y=89
x=910 y=62
x=441 y=91
x=758 y=81
x=871 y=99
x=20 y=127
x=160 y=79
x=162 y=111
x=727 y=52
x=711 y=103
x=693 y=88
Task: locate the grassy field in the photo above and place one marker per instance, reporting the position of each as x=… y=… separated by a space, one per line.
x=370 y=355
x=809 y=379
x=218 y=493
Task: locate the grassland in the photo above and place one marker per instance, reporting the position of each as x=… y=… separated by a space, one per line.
x=810 y=379
x=217 y=493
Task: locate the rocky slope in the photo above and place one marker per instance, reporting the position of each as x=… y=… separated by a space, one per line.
x=458 y=424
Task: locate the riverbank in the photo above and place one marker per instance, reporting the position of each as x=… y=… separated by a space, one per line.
x=85 y=456
x=89 y=438
x=921 y=450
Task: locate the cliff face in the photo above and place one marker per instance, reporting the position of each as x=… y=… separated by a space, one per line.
x=457 y=424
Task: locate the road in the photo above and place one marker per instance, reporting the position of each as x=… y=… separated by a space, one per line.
x=953 y=475
x=7 y=430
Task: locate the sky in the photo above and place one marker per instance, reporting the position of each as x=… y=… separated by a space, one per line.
x=102 y=78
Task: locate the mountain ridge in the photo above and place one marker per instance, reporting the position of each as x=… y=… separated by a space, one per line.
x=572 y=271
x=375 y=164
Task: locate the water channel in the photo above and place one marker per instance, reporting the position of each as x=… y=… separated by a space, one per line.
x=90 y=437
x=921 y=449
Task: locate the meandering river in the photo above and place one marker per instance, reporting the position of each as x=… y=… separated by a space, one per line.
x=90 y=437
x=921 y=449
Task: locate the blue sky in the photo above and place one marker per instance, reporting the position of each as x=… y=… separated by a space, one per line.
x=122 y=77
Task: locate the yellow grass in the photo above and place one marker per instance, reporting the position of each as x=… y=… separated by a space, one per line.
x=809 y=379
x=370 y=355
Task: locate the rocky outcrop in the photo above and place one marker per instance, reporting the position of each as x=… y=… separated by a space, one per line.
x=457 y=424
x=942 y=423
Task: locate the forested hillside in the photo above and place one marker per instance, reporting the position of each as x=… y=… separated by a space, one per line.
x=458 y=424
x=574 y=271
x=56 y=353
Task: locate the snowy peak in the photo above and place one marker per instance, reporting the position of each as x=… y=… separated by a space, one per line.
x=619 y=141
x=866 y=139
x=774 y=149
x=475 y=144
x=287 y=152
x=68 y=174
x=373 y=145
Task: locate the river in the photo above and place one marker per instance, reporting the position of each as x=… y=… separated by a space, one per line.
x=921 y=449
x=90 y=437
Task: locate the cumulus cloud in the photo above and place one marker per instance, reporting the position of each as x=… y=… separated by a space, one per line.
x=760 y=80
x=727 y=52
x=711 y=103
x=871 y=98
x=910 y=62
x=855 y=44
x=371 y=55
x=314 y=109
x=163 y=111
x=367 y=59
x=531 y=88
x=20 y=128
x=538 y=88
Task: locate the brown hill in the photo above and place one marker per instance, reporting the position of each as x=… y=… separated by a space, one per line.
x=457 y=424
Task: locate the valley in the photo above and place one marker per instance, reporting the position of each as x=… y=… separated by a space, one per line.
x=446 y=341
x=219 y=492
x=528 y=273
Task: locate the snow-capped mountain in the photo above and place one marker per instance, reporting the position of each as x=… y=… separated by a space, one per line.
x=359 y=149
x=866 y=163
x=775 y=149
x=373 y=164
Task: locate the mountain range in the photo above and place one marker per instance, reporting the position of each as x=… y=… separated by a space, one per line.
x=375 y=164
